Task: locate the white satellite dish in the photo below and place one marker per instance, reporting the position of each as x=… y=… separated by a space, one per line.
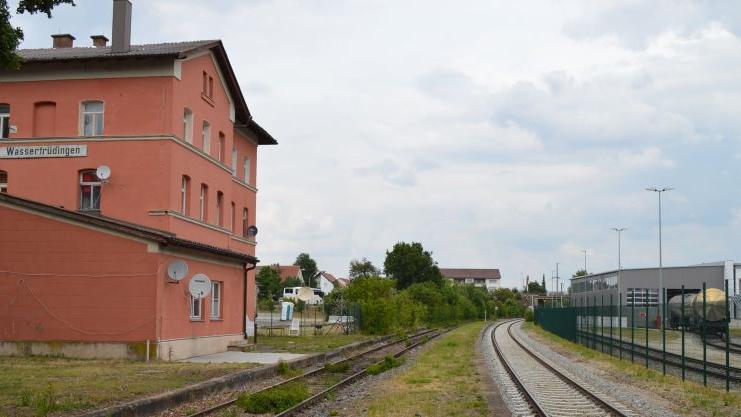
x=199 y=286
x=305 y=293
x=103 y=172
x=177 y=270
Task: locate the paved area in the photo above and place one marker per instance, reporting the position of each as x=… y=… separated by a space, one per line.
x=244 y=357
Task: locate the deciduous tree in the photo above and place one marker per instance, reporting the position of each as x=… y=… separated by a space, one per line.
x=308 y=267
x=362 y=268
x=409 y=263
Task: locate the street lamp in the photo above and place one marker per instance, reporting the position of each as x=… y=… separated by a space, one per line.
x=661 y=268
x=585 y=261
x=619 y=230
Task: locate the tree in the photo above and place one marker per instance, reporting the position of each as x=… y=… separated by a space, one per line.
x=362 y=269
x=542 y=284
x=11 y=37
x=580 y=273
x=308 y=268
x=291 y=282
x=269 y=281
x=535 y=288
x=409 y=263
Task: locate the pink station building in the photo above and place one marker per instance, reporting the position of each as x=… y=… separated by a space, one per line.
x=116 y=163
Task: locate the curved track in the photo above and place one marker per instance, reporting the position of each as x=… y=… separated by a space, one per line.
x=547 y=391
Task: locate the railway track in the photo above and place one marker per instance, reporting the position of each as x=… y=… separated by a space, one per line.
x=544 y=390
x=714 y=370
x=317 y=378
x=734 y=348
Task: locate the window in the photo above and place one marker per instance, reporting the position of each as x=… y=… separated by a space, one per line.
x=643 y=297
x=203 y=202
x=220 y=208
x=211 y=87
x=234 y=160
x=245 y=222
x=206 y=133
x=216 y=299
x=247 y=170
x=234 y=214
x=3 y=182
x=185 y=195
x=222 y=146
x=205 y=83
x=92 y=118
x=196 y=308
x=188 y=125
x=4 y=121
x=89 y=191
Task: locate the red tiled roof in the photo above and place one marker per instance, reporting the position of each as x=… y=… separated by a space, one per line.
x=463 y=273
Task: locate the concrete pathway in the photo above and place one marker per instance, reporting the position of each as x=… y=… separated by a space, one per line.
x=244 y=357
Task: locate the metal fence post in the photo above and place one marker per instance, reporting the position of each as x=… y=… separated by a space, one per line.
x=702 y=329
x=620 y=324
x=663 y=332
x=645 y=301
x=611 y=315
x=602 y=324
x=632 y=326
x=682 y=326
x=594 y=323
x=728 y=341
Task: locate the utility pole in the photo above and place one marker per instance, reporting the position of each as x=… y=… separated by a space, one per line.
x=557 y=278
x=661 y=266
x=619 y=230
x=585 y=261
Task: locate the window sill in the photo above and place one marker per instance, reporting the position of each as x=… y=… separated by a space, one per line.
x=216 y=319
x=208 y=100
x=197 y=319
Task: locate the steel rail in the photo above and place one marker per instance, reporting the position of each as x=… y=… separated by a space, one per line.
x=569 y=381
x=535 y=406
x=307 y=403
x=717 y=370
x=228 y=403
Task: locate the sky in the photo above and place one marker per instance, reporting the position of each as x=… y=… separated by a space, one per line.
x=499 y=134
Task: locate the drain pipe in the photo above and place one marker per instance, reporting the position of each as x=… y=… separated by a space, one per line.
x=244 y=302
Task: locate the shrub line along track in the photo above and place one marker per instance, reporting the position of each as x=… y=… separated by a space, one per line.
x=692 y=364
x=318 y=371
x=556 y=394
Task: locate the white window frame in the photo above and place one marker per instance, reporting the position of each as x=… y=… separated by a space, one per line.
x=5 y=123
x=3 y=183
x=193 y=302
x=206 y=136
x=92 y=185
x=184 y=185
x=216 y=290
x=247 y=166
x=95 y=116
x=188 y=125
x=202 y=198
x=234 y=160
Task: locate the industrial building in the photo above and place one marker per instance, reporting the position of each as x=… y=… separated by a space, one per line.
x=640 y=286
x=118 y=162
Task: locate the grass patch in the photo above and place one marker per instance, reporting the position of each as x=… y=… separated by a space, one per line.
x=274 y=400
x=388 y=362
x=337 y=368
x=307 y=343
x=33 y=386
x=285 y=370
x=442 y=381
x=686 y=397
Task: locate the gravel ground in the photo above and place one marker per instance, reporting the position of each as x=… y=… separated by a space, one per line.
x=640 y=401
x=350 y=400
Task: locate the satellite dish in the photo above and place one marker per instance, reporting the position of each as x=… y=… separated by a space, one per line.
x=177 y=270
x=305 y=293
x=103 y=172
x=252 y=231
x=199 y=286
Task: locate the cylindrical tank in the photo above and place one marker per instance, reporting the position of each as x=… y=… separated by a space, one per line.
x=715 y=305
x=675 y=306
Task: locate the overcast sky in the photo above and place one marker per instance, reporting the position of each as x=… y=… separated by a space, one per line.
x=500 y=134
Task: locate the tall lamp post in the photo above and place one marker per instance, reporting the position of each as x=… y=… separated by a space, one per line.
x=619 y=230
x=661 y=268
x=585 y=261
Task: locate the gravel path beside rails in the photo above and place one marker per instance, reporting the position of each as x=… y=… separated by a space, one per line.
x=626 y=397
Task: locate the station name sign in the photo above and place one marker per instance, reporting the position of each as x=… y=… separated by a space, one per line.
x=43 y=151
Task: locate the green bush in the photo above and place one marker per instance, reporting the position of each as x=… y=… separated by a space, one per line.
x=274 y=400
x=528 y=315
x=337 y=368
x=388 y=362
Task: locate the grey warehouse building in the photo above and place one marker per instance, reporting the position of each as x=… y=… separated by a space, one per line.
x=641 y=285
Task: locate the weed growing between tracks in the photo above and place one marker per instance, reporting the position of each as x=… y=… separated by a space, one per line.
x=389 y=362
x=274 y=400
x=687 y=397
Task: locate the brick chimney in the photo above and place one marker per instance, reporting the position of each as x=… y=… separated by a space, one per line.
x=64 y=40
x=121 y=32
x=99 y=41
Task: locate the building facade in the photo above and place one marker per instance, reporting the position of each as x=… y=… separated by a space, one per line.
x=486 y=278
x=155 y=137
